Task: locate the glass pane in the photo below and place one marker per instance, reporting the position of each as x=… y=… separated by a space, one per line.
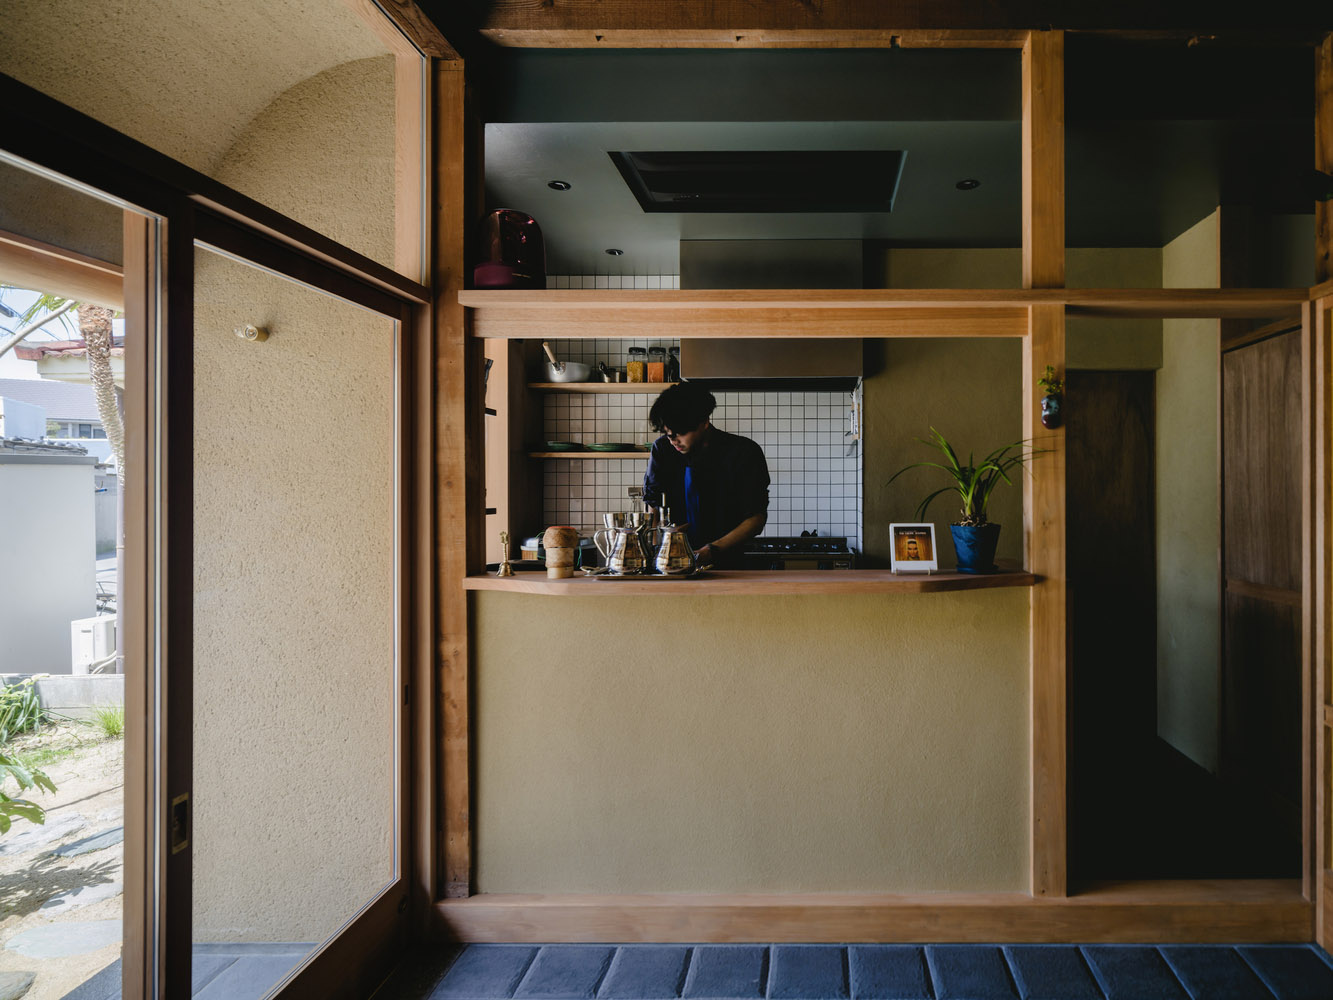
x=295 y=669
x=288 y=102
x=62 y=677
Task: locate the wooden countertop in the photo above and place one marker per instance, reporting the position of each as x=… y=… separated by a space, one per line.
x=851 y=581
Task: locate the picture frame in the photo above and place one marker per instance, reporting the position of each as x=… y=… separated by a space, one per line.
x=912 y=547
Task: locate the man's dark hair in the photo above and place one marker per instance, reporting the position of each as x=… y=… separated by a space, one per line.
x=681 y=408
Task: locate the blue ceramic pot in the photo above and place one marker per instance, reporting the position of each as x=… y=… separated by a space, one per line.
x=975 y=547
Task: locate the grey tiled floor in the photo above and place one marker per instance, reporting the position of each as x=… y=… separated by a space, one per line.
x=866 y=972
x=220 y=972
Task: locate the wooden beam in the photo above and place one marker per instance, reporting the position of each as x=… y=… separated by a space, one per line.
x=1323 y=132
x=1044 y=160
x=404 y=28
x=43 y=267
x=1044 y=542
x=459 y=514
x=752 y=38
x=1148 y=912
x=1311 y=701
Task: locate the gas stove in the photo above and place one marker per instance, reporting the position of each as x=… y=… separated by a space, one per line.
x=798 y=552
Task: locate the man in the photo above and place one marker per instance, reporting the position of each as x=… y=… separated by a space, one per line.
x=717 y=482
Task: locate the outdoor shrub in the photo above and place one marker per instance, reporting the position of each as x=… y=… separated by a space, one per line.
x=20 y=711
x=110 y=719
x=10 y=807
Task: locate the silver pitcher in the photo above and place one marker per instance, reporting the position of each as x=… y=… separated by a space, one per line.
x=675 y=556
x=645 y=522
x=622 y=549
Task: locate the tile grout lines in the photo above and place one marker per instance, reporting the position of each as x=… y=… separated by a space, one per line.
x=886 y=972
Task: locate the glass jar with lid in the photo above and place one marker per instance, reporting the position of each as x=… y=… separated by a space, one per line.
x=657 y=364
x=673 y=364
x=636 y=369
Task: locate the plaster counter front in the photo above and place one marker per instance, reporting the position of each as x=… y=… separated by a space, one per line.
x=711 y=582
x=751 y=732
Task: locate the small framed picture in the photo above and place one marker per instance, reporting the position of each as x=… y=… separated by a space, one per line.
x=913 y=548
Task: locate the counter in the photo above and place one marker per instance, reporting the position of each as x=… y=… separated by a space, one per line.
x=770 y=582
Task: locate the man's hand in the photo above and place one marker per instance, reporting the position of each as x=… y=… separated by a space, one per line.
x=705 y=555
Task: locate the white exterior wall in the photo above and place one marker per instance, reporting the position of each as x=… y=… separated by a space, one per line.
x=47 y=570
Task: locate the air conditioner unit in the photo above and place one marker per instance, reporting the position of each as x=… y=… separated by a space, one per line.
x=91 y=641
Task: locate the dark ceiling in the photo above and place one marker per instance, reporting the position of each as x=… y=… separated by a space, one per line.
x=1157 y=135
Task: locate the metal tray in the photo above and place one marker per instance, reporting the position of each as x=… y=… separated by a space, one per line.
x=650 y=576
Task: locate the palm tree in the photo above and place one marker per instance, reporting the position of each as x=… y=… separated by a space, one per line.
x=96 y=332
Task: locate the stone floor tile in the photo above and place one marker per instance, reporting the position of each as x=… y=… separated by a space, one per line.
x=486 y=972
x=646 y=972
x=727 y=970
x=1051 y=972
x=71 y=937
x=888 y=972
x=204 y=968
x=1133 y=972
x=104 y=985
x=565 y=972
x=1292 y=972
x=1216 y=972
x=96 y=842
x=807 y=972
x=969 y=972
x=248 y=977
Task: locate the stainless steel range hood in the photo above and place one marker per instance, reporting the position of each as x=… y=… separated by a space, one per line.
x=801 y=364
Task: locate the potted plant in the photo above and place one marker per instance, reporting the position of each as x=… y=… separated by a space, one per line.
x=974 y=537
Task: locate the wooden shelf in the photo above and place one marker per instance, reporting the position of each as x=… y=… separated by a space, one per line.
x=588 y=454
x=561 y=313
x=851 y=581
x=653 y=387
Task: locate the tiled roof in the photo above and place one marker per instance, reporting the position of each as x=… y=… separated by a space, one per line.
x=61 y=400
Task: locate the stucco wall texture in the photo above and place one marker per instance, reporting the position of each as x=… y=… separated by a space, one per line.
x=191 y=78
x=626 y=744
x=295 y=692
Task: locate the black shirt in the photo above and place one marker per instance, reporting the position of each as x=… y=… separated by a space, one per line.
x=730 y=477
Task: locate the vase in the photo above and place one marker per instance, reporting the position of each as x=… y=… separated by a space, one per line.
x=1050 y=411
x=975 y=546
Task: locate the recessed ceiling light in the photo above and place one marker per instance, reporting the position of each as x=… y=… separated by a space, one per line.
x=614 y=252
x=559 y=185
x=967 y=184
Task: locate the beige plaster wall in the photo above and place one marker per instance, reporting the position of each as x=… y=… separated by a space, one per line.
x=293 y=613
x=294 y=682
x=630 y=744
x=190 y=79
x=1187 y=508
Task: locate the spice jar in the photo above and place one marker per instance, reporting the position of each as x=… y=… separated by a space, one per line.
x=673 y=364
x=657 y=364
x=636 y=369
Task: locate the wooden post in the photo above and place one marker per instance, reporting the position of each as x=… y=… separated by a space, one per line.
x=1318 y=592
x=1044 y=160
x=1044 y=541
x=460 y=516
x=1323 y=153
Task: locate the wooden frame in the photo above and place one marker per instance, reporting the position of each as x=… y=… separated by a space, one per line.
x=1318 y=596
x=27 y=262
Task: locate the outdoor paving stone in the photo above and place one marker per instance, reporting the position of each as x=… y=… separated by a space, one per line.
x=646 y=972
x=72 y=937
x=1214 y=971
x=1292 y=972
x=84 y=895
x=105 y=985
x=732 y=971
x=14 y=984
x=1051 y=972
x=486 y=971
x=888 y=972
x=807 y=972
x=248 y=977
x=97 y=842
x=568 y=972
x=1133 y=972
x=969 y=972
x=39 y=836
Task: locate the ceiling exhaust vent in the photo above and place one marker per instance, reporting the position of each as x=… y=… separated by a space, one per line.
x=837 y=180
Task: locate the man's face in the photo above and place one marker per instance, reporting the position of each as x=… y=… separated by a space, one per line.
x=685 y=441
